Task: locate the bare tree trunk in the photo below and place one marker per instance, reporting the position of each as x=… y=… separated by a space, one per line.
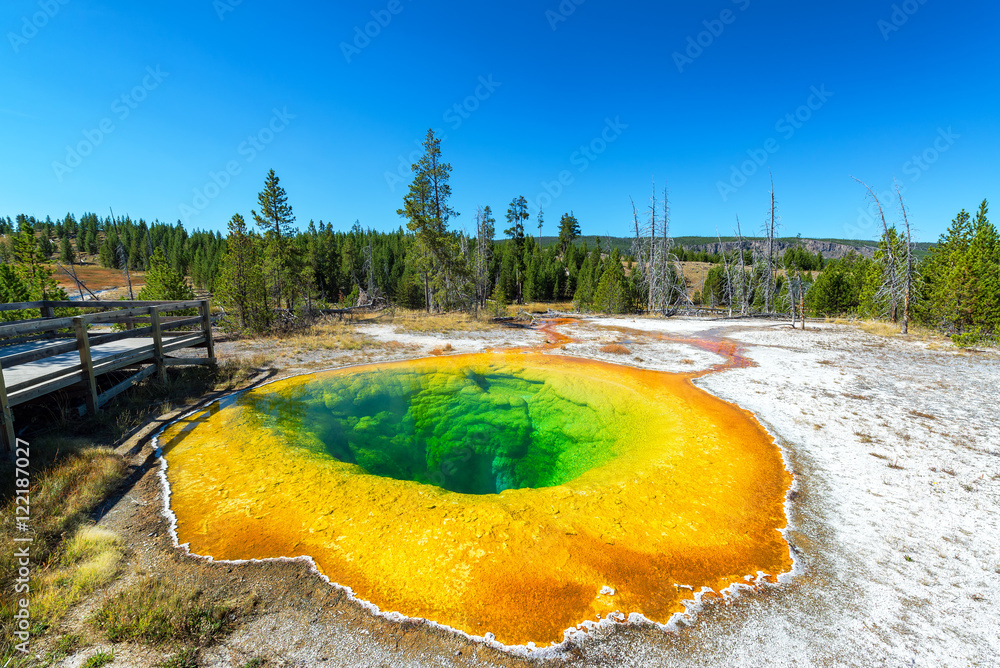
x=744 y=285
x=652 y=250
x=908 y=276
x=890 y=280
x=729 y=276
x=768 y=294
x=427 y=292
x=802 y=303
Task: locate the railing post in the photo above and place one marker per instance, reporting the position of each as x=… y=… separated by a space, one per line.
x=83 y=346
x=9 y=438
x=161 y=368
x=48 y=312
x=206 y=326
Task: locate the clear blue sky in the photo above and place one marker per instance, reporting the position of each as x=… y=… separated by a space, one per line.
x=200 y=77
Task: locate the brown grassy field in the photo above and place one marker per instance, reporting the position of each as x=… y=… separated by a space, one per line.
x=96 y=278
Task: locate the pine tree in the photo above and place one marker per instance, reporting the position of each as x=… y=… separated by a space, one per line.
x=30 y=266
x=517 y=215
x=275 y=220
x=242 y=284
x=485 y=229
x=612 y=294
x=163 y=283
x=66 y=253
x=426 y=208
x=947 y=276
x=569 y=230
x=838 y=289
x=984 y=261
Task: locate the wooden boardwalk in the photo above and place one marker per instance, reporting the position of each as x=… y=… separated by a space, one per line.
x=48 y=354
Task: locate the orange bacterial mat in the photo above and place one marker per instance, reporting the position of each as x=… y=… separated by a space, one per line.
x=587 y=489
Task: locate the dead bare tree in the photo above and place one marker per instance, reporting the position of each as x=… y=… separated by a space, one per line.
x=802 y=300
x=481 y=264
x=744 y=283
x=729 y=274
x=791 y=289
x=889 y=287
x=909 y=271
x=80 y=285
x=772 y=222
x=370 y=264
x=658 y=271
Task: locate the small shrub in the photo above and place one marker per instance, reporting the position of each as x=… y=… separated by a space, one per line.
x=155 y=612
x=98 y=660
x=187 y=658
x=975 y=337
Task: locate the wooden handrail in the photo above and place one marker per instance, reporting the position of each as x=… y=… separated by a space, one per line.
x=122 y=315
x=34 y=381
x=27 y=306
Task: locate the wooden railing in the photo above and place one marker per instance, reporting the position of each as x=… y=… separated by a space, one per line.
x=34 y=353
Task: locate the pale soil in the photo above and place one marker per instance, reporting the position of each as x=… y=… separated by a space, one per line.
x=895 y=450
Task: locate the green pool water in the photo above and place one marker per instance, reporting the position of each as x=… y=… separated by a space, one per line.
x=471 y=430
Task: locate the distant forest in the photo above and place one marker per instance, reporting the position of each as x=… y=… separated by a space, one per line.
x=269 y=266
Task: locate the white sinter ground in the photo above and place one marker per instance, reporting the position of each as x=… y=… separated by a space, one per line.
x=895 y=512
x=896 y=516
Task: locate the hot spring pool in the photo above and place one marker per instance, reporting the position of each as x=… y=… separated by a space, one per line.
x=489 y=493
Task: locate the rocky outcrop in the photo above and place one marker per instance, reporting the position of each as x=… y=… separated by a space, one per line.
x=831 y=250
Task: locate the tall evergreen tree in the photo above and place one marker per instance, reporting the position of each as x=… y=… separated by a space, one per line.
x=66 y=253
x=426 y=208
x=275 y=220
x=163 y=283
x=30 y=266
x=485 y=229
x=613 y=294
x=242 y=286
x=517 y=216
x=569 y=230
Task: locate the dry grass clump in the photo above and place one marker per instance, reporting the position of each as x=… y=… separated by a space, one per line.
x=890 y=329
x=155 y=612
x=326 y=335
x=615 y=349
x=85 y=563
x=234 y=372
x=62 y=498
x=879 y=328
x=423 y=322
x=540 y=308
